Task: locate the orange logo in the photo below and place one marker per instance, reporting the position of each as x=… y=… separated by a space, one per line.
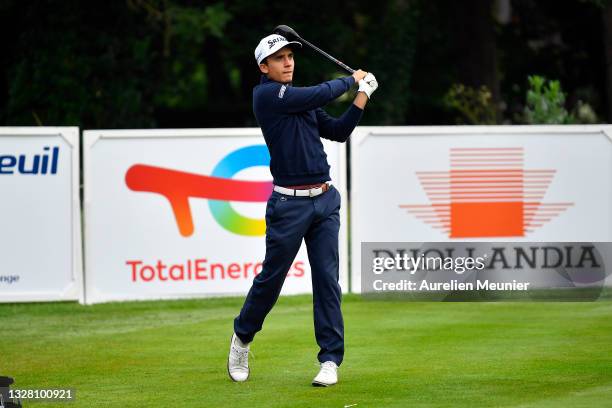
x=486 y=193
x=219 y=188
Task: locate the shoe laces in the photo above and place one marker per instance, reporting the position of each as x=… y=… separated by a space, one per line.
x=329 y=366
x=242 y=353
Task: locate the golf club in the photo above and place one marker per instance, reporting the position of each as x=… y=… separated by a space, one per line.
x=290 y=34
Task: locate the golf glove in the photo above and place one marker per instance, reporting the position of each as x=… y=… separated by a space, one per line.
x=368 y=84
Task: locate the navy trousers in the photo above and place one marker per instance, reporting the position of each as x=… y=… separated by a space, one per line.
x=288 y=221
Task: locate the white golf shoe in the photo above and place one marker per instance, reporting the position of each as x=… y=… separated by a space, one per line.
x=238 y=360
x=328 y=375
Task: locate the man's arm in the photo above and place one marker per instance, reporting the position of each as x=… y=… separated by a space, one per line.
x=340 y=129
x=299 y=99
x=361 y=100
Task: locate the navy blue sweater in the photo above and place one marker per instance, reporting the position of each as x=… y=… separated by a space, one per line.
x=292 y=121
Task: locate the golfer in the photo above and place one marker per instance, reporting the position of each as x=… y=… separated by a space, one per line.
x=303 y=205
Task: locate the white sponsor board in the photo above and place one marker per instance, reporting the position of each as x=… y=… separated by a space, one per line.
x=40 y=230
x=180 y=213
x=480 y=183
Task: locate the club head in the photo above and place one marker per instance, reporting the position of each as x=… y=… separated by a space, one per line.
x=287 y=32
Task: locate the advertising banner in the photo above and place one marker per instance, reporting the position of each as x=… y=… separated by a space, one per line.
x=180 y=213
x=40 y=222
x=480 y=183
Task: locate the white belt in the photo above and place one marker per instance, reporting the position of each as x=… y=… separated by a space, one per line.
x=312 y=192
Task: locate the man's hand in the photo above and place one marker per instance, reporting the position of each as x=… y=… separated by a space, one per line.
x=359 y=75
x=368 y=84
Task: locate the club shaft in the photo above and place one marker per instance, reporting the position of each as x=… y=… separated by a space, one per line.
x=320 y=51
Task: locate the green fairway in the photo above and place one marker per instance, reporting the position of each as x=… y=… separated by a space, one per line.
x=398 y=354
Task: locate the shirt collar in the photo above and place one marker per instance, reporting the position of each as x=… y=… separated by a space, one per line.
x=265 y=80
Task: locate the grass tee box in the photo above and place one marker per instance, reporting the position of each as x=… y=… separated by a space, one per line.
x=398 y=354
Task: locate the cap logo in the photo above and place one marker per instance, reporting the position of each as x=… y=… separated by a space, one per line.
x=273 y=41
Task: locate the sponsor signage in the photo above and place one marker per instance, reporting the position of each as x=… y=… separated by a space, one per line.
x=40 y=230
x=480 y=183
x=180 y=213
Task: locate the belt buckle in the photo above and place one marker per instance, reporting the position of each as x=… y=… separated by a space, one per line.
x=310 y=193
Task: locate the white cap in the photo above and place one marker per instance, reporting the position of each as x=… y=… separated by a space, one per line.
x=270 y=44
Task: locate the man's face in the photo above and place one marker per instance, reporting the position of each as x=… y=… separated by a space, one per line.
x=279 y=66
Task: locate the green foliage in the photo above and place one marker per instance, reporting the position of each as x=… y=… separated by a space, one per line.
x=147 y=63
x=475 y=105
x=185 y=63
x=584 y=113
x=108 y=64
x=545 y=102
x=183 y=31
x=387 y=49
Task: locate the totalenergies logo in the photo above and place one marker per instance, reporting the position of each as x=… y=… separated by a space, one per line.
x=486 y=193
x=219 y=188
